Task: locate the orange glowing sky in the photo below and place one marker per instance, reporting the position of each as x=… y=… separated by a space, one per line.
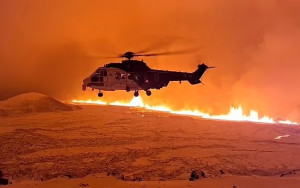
x=254 y=44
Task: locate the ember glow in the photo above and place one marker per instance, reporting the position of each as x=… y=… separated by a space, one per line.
x=283 y=136
x=234 y=114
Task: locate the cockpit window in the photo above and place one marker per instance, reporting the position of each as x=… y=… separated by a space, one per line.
x=105 y=73
x=95 y=79
x=118 y=75
x=123 y=76
x=96 y=73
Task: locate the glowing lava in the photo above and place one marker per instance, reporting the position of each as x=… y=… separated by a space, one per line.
x=235 y=114
x=283 y=136
x=90 y=102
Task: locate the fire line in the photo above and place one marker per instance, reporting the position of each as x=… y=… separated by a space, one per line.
x=234 y=114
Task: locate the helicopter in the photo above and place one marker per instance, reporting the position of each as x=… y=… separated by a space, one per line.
x=135 y=75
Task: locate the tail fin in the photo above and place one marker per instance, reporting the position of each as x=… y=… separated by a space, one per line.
x=196 y=76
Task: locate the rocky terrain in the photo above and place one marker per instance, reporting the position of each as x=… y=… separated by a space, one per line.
x=137 y=145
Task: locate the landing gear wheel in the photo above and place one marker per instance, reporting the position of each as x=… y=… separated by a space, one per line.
x=148 y=93
x=127 y=89
x=100 y=94
x=136 y=93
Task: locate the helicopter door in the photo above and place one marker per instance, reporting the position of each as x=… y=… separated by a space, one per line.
x=156 y=77
x=103 y=76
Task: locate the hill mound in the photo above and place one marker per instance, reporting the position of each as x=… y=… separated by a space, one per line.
x=31 y=103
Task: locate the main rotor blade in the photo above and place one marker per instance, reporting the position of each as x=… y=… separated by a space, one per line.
x=101 y=57
x=160 y=43
x=177 y=52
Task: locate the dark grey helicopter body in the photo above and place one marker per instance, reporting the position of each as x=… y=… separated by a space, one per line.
x=135 y=75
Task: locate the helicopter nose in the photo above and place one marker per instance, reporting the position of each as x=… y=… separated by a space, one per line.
x=85 y=83
x=83 y=87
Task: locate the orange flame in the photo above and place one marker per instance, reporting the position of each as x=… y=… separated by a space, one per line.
x=235 y=114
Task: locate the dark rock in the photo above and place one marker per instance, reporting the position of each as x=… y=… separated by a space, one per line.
x=288 y=173
x=202 y=174
x=222 y=172
x=114 y=173
x=196 y=174
x=122 y=177
x=137 y=178
x=127 y=178
x=4 y=181
x=69 y=176
x=234 y=186
x=84 y=184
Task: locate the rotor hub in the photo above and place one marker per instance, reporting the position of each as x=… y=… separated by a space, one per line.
x=128 y=55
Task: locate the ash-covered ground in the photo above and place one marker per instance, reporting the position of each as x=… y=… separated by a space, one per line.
x=135 y=144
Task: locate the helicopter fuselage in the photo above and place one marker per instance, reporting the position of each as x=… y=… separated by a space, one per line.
x=110 y=79
x=134 y=75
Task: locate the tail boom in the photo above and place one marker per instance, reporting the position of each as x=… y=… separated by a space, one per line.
x=197 y=75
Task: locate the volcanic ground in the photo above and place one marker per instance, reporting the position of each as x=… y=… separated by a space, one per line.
x=134 y=144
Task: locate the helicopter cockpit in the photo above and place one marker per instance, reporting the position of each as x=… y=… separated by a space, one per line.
x=98 y=75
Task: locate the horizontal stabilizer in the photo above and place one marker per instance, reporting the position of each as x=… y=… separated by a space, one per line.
x=196 y=76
